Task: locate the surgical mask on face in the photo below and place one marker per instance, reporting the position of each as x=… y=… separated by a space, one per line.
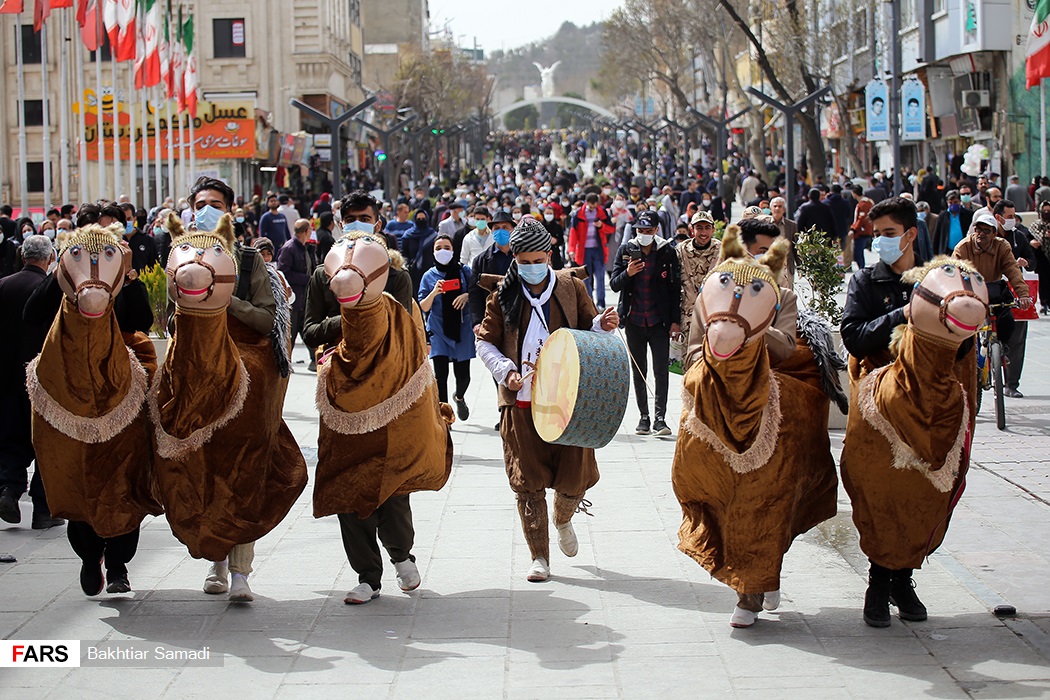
x=158 y=230
x=922 y=216
x=954 y=207
x=888 y=248
x=506 y=210
x=549 y=216
x=516 y=216
x=501 y=237
x=471 y=221
x=482 y=225
x=362 y=226
x=129 y=227
x=645 y=239
x=966 y=199
x=1009 y=224
x=443 y=256
x=207 y=218
x=707 y=202
x=534 y=273
x=767 y=211
x=50 y=233
x=240 y=219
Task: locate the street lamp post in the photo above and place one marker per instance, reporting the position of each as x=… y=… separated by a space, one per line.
x=334 y=124
x=720 y=127
x=384 y=140
x=789 y=112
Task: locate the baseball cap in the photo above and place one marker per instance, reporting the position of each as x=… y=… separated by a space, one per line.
x=987 y=219
x=647 y=219
x=704 y=216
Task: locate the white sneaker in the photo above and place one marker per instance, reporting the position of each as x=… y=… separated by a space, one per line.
x=217 y=580
x=771 y=600
x=539 y=571
x=407 y=575
x=742 y=618
x=239 y=591
x=362 y=594
x=567 y=541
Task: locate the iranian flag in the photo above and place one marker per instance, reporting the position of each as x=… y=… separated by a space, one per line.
x=109 y=21
x=147 y=63
x=127 y=40
x=1038 y=64
x=176 y=90
x=11 y=7
x=89 y=17
x=164 y=51
x=191 y=79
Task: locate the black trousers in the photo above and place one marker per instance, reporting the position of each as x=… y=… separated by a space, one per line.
x=460 y=368
x=658 y=340
x=298 y=320
x=16 y=448
x=1016 y=343
x=118 y=551
x=392 y=521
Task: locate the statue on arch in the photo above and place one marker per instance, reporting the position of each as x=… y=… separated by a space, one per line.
x=547 y=78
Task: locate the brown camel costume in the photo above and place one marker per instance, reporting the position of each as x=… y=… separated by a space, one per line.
x=749 y=471
x=908 y=440
x=229 y=468
x=88 y=387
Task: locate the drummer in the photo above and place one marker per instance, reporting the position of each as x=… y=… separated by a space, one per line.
x=531 y=302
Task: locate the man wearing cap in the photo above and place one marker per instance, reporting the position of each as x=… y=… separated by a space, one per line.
x=531 y=302
x=453 y=224
x=696 y=257
x=647 y=275
x=495 y=259
x=994 y=258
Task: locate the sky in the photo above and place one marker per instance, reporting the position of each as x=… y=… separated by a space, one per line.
x=499 y=24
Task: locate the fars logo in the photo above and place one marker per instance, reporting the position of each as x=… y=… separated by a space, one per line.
x=39 y=653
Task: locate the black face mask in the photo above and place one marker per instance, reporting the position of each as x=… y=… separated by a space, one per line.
x=421 y=223
x=1045 y=215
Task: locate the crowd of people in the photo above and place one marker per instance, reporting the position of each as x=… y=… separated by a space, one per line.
x=489 y=266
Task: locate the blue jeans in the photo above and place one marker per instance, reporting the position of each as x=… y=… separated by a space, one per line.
x=859 y=244
x=595 y=262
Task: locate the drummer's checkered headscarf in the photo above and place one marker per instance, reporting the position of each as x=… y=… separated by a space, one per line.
x=530 y=237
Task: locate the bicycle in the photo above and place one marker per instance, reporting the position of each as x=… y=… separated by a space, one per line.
x=991 y=363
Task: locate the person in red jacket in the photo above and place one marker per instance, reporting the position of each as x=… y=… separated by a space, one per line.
x=587 y=245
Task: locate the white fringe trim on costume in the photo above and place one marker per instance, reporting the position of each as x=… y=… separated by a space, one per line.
x=761 y=449
x=171 y=447
x=89 y=430
x=904 y=456
x=381 y=414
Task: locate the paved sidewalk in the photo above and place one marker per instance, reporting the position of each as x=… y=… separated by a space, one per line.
x=630 y=616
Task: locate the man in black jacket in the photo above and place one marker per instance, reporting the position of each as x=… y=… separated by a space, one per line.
x=494 y=260
x=952 y=226
x=16 y=444
x=648 y=276
x=842 y=213
x=815 y=213
x=1020 y=240
x=325 y=236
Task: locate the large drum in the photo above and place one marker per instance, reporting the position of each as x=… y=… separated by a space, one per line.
x=579 y=393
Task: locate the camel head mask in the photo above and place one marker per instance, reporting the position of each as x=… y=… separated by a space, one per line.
x=357 y=267
x=741 y=297
x=950 y=299
x=202 y=267
x=91 y=268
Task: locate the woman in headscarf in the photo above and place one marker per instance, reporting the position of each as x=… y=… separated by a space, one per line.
x=443 y=295
x=417 y=247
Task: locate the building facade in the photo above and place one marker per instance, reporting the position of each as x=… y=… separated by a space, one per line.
x=395 y=29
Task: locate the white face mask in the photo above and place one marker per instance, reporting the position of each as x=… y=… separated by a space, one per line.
x=516 y=216
x=1009 y=224
x=443 y=256
x=645 y=239
x=549 y=216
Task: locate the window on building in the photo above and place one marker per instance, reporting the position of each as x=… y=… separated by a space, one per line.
x=229 y=39
x=30 y=44
x=938 y=6
x=104 y=49
x=861 y=38
x=35 y=176
x=34 y=113
x=355 y=12
x=909 y=13
x=355 y=68
x=839 y=39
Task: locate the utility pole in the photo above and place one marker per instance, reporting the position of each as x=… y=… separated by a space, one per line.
x=334 y=125
x=384 y=139
x=895 y=96
x=721 y=129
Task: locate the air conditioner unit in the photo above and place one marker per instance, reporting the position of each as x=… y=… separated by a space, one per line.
x=976 y=98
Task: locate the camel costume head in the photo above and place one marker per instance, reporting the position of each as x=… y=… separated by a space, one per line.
x=741 y=297
x=357 y=267
x=950 y=300
x=202 y=269
x=91 y=268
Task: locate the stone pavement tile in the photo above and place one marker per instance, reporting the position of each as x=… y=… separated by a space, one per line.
x=579 y=692
x=265 y=672
x=848 y=622
x=461 y=618
x=172 y=628
x=92 y=682
x=12 y=621
x=1015 y=508
x=31 y=592
x=358 y=691
x=876 y=680
x=557 y=597
x=453 y=649
x=887 y=652
x=745 y=653
x=797 y=686
x=551 y=672
x=813 y=692
x=986 y=654
x=695 y=635
x=391 y=603
x=701 y=677
x=1007 y=690
x=653 y=617
x=452 y=678
x=31 y=682
x=248 y=643
x=562 y=639
x=629 y=650
x=342 y=660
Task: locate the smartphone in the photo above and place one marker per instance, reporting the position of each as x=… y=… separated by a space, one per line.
x=451 y=286
x=636 y=255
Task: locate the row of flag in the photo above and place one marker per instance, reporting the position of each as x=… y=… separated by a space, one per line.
x=158 y=40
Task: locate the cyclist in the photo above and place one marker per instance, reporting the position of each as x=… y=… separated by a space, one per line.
x=994 y=258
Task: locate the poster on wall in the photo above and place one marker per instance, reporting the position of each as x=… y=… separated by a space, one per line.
x=876 y=101
x=913 y=108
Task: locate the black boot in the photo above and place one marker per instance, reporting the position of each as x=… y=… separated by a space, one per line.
x=902 y=594
x=877 y=597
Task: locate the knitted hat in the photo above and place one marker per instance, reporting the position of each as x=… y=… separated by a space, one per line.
x=530 y=237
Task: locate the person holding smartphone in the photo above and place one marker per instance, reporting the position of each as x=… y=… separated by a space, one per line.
x=443 y=297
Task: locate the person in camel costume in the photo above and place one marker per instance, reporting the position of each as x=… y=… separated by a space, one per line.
x=740 y=442
x=908 y=439
x=90 y=428
x=228 y=467
x=383 y=432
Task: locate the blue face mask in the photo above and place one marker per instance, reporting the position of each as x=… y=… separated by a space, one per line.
x=207 y=218
x=922 y=216
x=888 y=248
x=362 y=226
x=501 y=236
x=533 y=274
x=128 y=228
x=954 y=208
x=240 y=219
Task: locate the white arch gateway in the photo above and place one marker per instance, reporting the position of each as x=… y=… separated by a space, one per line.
x=563 y=100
